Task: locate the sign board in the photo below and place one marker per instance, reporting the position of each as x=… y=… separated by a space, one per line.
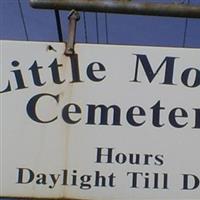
x=112 y=122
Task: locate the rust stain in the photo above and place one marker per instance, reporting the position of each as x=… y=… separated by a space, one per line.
x=31 y=198
x=65 y=97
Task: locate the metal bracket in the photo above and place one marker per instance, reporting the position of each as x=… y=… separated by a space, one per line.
x=73 y=18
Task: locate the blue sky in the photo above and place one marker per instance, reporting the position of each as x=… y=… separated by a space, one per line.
x=121 y=29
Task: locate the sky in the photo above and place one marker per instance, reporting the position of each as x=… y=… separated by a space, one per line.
x=18 y=21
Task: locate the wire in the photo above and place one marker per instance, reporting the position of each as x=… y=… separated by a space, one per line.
x=59 y=28
x=97 y=27
x=23 y=20
x=106 y=28
x=85 y=27
x=185 y=30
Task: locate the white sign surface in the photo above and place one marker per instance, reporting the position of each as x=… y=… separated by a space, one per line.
x=112 y=122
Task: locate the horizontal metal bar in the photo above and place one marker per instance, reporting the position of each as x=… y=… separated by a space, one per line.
x=121 y=6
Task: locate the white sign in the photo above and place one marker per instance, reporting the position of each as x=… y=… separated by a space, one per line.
x=112 y=122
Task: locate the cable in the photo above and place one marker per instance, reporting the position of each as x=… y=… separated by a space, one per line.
x=23 y=20
x=97 y=27
x=106 y=28
x=185 y=30
x=59 y=28
x=85 y=27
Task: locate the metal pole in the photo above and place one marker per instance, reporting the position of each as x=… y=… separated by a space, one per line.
x=122 y=7
x=73 y=18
